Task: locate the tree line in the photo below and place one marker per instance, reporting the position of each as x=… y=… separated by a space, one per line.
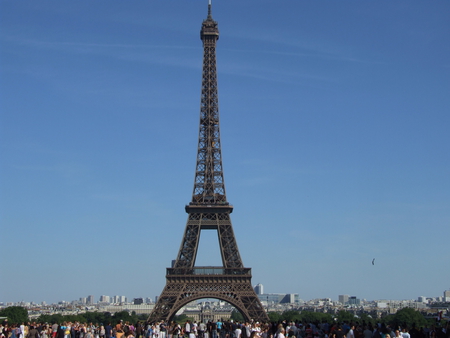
x=405 y=316
x=18 y=314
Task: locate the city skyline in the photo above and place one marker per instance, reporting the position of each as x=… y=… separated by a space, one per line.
x=115 y=299
x=334 y=127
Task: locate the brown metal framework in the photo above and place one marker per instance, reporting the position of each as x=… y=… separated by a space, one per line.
x=209 y=210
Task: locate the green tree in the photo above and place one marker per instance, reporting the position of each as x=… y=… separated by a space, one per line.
x=312 y=317
x=122 y=315
x=107 y=318
x=407 y=316
x=345 y=316
x=237 y=316
x=181 y=319
x=290 y=315
x=365 y=318
x=15 y=314
x=93 y=317
x=55 y=318
x=142 y=317
x=274 y=316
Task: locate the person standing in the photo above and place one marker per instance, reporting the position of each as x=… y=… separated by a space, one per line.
x=108 y=330
x=14 y=331
x=213 y=329
x=176 y=329
x=2 y=331
x=339 y=332
x=22 y=330
x=219 y=325
x=350 y=333
x=162 y=330
x=405 y=333
x=187 y=328
x=201 y=330
x=33 y=332
x=119 y=330
x=367 y=333
x=237 y=331
x=139 y=329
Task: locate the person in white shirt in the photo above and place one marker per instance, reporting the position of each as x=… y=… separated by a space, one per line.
x=405 y=333
x=350 y=333
x=238 y=331
x=280 y=333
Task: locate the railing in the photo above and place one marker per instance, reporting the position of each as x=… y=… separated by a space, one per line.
x=208 y=270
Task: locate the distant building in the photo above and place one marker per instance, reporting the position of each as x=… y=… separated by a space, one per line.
x=279 y=298
x=104 y=299
x=343 y=299
x=290 y=298
x=447 y=296
x=353 y=301
x=259 y=289
x=205 y=313
x=119 y=299
x=90 y=300
x=137 y=301
x=275 y=298
x=138 y=309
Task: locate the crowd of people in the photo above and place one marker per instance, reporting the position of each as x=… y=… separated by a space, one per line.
x=219 y=329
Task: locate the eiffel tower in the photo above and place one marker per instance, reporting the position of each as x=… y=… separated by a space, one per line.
x=208 y=210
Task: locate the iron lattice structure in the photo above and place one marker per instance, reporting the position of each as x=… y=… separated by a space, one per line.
x=209 y=210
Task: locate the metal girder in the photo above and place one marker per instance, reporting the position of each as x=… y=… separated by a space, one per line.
x=209 y=221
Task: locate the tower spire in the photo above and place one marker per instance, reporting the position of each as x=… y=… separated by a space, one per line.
x=209 y=185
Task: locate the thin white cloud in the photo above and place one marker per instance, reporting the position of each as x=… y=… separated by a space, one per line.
x=304 y=47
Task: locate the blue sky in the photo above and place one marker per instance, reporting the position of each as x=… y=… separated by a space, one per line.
x=335 y=137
